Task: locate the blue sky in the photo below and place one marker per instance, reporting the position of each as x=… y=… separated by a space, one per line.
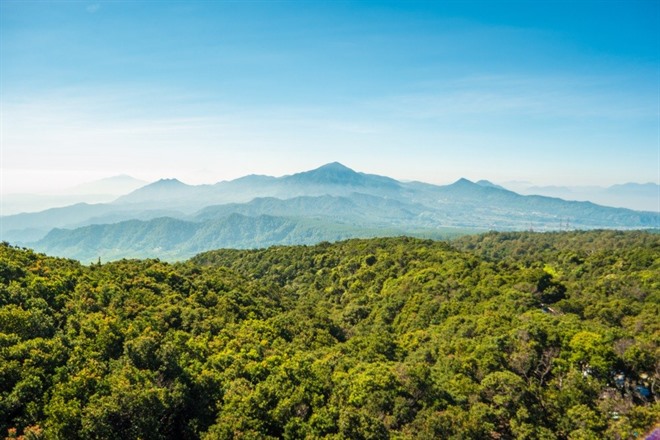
x=551 y=92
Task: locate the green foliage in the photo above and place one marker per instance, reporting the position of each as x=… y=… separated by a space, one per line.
x=503 y=336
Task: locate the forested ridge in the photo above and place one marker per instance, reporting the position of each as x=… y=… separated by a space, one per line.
x=500 y=336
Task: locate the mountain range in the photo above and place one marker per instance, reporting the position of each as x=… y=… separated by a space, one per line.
x=638 y=196
x=172 y=220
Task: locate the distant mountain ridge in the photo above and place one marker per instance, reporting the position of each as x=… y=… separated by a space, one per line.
x=173 y=219
x=337 y=174
x=636 y=196
x=330 y=179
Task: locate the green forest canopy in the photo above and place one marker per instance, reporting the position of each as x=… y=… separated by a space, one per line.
x=501 y=336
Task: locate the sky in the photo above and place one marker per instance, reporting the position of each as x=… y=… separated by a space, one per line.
x=548 y=92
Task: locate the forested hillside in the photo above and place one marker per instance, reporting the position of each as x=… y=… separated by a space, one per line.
x=500 y=336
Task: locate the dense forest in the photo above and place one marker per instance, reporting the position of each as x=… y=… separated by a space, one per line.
x=500 y=336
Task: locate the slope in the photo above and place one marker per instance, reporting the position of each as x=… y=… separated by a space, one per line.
x=173 y=239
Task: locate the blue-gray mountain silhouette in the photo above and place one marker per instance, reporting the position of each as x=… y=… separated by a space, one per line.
x=171 y=219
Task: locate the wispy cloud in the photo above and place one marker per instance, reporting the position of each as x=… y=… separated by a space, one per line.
x=154 y=132
x=169 y=132
x=523 y=96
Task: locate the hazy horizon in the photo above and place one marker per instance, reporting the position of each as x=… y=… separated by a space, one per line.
x=553 y=93
x=71 y=188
